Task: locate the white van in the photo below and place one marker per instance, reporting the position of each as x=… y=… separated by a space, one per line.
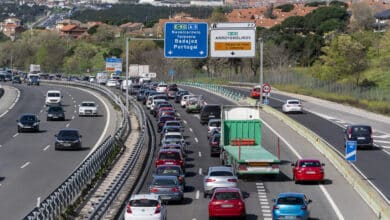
x=102 y=78
x=53 y=97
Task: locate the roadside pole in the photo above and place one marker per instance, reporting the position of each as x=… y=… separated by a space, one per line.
x=127 y=73
x=261 y=71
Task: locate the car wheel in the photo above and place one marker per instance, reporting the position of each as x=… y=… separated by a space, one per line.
x=19 y=130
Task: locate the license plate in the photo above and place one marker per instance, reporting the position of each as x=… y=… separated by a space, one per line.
x=170 y=163
x=311 y=172
x=290 y=217
x=361 y=138
x=27 y=126
x=67 y=145
x=55 y=116
x=227 y=206
x=165 y=197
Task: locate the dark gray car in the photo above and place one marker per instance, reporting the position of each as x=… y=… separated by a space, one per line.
x=68 y=138
x=167 y=187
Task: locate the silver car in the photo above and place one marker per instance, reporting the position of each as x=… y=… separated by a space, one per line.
x=218 y=176
x=167 y=187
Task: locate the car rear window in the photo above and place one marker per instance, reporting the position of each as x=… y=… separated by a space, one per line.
x=169 y=156
x=164 y=182
x=215 y=124
x=361 y=130
x=143 y=203
x=53 y=94
x=172 y=129
x=172 y=136
x=89 y=104
x=290 y=201
x=212 y=108
x=173 y=123
x=294 y=102
x=227 y=195
x=221 y=173
x=173 y=171
x=217 y=138
x=310 y=164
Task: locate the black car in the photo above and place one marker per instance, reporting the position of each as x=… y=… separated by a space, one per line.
x=208 y=112
x=214 y=141
x=28 y=122
x=179 y=94
x=34 y=80
x=134 y=89
x=68 y=138
x=141 y=95
x=362 y=134
x=55 y=113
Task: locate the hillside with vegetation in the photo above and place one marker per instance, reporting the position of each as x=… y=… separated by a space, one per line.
x=325 y=54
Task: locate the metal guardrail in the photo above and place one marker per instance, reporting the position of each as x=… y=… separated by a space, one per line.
x=101 y=208
x=236 y=96
x=71 y=188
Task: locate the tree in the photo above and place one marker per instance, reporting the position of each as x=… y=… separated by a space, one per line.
x=345 y=57
x=362 y=16
x=286 y=7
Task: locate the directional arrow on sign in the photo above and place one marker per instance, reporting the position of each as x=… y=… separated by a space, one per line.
x=170 y=52
x=201 y=52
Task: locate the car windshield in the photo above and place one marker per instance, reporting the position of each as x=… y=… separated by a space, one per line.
x=169 y=156
x=164 y=182
x=217 y=138
x=28 y=118
x=54 y=94
x=143 y=203
x=88 y=104
x=173 y=129
x=173 y=123
x=227 y=195
x=173 y=136
x=290 y=200
x=221 y=173
x=361 y=130
x=212 y=109
x=69 y=134
x=310 y=164
x=169 y=171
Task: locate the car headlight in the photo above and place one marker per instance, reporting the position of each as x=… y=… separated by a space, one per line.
x=59 y=141
x=76 y=141
x=50 y=115
x=20 y=124
x=36 y=123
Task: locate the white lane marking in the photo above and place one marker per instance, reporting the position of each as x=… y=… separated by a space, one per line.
x=178 y=114
x=25 y=165
x=200 y=154
x=190 y=129
x=197 y=194
x=264 y=203
x=70 y=95
x=196 y=140
x=381 y=136
x=15 y=135
x=75 y=111
x=47 y=147
x=38 y=201
x=386 y=147
x=74 y=101
x=380 y=141
x=4 y=113
x=200 y=171
x=323 y=189
x=1 y=145
x=41 y=110
x=263 y=200
x=72 y=117
x=67 y=125
x=197 y=116
x=75 y=106
x=185 y=122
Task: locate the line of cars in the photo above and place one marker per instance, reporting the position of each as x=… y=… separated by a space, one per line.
x=66 y=138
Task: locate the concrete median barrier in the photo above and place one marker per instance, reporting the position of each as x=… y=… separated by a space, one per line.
x=361 y=185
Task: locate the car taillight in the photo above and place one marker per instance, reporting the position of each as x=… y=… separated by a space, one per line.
x=242 y=167
x=208 y=129
x=304 y=207
x=322 y=170
x=275 y=207
x=158 y=209
x=175 y=189
x=180 y=178
x=153 y=190
x=209 y=180
x=129 y=209
x=232 y=180
x=350 y=133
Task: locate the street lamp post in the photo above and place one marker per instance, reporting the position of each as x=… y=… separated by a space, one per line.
x=127 y=73
x=261 y=70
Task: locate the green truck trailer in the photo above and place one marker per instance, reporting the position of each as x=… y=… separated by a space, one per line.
x=241 y=142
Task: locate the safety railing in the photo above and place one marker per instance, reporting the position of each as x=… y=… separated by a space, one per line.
x=59 y=200
x=218 y=89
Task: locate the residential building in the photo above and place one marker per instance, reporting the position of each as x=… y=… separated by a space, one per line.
x=11 y=27
x=73 y=31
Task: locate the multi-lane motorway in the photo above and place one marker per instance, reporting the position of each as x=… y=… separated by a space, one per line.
x=329 y=123
x=334 y=199
x=30 y=168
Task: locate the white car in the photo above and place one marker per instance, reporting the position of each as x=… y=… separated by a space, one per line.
x=162 y=87
x=111 y=83
x=292 y=105
x=213 y=123
x=53 y=97
x=173 y=135
x=123 y=84
x=88 y=108
x=184 y=99
x=145 y=207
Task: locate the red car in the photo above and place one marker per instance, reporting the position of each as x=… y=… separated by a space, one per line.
x=227 y=202
x=170 y=157
x=255 y=92
x=308 y=170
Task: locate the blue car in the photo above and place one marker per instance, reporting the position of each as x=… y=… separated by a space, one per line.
x=291 y=206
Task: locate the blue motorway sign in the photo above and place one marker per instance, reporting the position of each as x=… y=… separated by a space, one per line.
x=350 y=150
x=171 y=72
x=114 y=65
x=186 y=40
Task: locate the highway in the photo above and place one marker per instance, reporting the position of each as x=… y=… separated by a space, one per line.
x=30 y=168
x=334 y=199
x=329 y=124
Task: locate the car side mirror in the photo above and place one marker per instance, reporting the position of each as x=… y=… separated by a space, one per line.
x=55 y=135
x=17 y=120
x=309 y=201
x=293 y=164
x=81 y=136
x=323 y=164
x=39 y=120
